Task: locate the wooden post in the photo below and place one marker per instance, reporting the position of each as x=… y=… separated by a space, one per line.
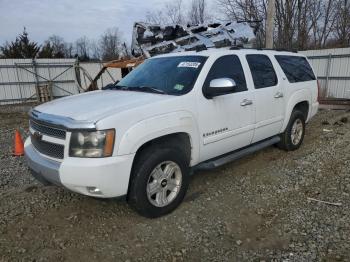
x=270 y=23
x=36 y=79
x=328 y=69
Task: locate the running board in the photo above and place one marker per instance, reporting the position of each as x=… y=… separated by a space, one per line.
x=219 y=161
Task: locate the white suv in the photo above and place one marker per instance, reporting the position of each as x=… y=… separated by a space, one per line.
x=142 y=137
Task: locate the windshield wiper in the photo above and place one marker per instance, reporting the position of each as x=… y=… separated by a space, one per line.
x=121 y=87
x=139 y=89
x=152 y=89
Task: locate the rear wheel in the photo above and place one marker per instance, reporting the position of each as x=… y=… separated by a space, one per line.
x=159 y=182
x=293 y=136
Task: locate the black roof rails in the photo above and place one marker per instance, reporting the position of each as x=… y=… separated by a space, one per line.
x=286 y=50
x=264 y=49
x=235 y=48
x=278 y=49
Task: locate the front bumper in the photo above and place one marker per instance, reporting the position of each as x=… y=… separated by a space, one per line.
x=110 y=175
x=43 y=169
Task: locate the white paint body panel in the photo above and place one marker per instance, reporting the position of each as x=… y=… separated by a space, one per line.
x=215 y=126
x=269 y=110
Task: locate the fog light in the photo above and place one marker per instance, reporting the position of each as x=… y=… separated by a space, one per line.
x=94 y=190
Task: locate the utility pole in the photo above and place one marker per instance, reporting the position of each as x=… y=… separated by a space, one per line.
x=270 y=23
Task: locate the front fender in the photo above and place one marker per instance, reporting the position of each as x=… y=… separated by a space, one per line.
x=297 y=97
x=158 y=126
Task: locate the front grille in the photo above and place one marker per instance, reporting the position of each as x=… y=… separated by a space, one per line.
x=46 y=130
x=47 y=148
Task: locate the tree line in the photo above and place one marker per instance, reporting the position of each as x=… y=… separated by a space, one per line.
x=109 y=47
x=299 y=24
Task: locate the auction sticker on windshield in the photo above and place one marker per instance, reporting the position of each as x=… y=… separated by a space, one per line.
x=189 y=64
x=179 y=87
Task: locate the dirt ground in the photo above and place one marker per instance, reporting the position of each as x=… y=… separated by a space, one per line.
x=254 y=209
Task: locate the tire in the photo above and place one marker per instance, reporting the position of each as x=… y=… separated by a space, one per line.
x=290 y=140
x=160 y=169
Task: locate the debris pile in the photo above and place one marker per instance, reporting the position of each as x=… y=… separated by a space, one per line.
x=150 y=40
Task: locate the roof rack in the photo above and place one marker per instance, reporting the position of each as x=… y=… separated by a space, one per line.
x=235 y=48
x=264 y=49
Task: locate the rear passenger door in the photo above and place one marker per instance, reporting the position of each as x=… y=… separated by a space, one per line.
x=269 y=97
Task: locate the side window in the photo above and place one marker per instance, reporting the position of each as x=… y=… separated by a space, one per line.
x=228 y=66
x=296 y=68
x=263 y=73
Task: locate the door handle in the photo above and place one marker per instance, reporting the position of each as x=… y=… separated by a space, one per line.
x=246 y=102
x=279 y=95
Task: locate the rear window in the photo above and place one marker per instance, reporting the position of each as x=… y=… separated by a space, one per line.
x=296 y=68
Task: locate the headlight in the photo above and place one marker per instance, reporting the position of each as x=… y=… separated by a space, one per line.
x=92 y=144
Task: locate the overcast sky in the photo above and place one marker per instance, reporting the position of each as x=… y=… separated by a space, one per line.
x=70 y=19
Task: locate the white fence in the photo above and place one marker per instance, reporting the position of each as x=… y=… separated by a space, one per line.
x=111 y=75
x=332 y=67
x=20 y=79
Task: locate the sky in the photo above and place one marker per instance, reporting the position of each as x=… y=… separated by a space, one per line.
x=71 y=19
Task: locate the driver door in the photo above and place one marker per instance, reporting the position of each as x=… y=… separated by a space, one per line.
x=226 y=122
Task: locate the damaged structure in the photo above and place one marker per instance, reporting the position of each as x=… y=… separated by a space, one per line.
x=150 y=40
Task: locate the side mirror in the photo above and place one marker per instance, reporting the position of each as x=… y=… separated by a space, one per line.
x=219 y=87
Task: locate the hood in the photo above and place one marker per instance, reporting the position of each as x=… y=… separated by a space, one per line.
x=96 y=105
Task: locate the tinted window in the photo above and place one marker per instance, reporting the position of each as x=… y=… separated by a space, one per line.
x=228 y=66
x=296 y=68
x=262 y=70
x=172 y=75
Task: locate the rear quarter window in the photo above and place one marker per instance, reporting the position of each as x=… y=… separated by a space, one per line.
x=296 y=68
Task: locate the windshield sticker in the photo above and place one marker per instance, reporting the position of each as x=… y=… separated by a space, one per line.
x=189 y=64
x=179 y=87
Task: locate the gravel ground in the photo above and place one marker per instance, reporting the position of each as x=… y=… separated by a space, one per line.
x=255 y=209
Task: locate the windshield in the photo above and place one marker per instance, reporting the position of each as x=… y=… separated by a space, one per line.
x=164 y=75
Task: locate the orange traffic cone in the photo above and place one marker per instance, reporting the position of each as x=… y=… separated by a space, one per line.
x=18 y=149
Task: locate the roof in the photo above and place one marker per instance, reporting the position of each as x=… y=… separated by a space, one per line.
x=225 y=51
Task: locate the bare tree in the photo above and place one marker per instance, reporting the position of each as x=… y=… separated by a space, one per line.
x=69 y=50
x=246 y=10
x=110 y=44
x=53 y=47
x=298 y=23
x=170 y=13
x=198 y=12
x=156 y=17
x=342 y=23
x=58 y=45
x=308 y=17
x=82 y=48
x=286 y=18
x=95 y=50
x=173 y=10
x=243 y=10
x=325 y=24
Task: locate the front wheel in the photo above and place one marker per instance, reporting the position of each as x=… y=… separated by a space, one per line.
x=293 y=136
x=159 y=182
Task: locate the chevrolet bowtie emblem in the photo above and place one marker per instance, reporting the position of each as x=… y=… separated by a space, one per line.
x=38 y=135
